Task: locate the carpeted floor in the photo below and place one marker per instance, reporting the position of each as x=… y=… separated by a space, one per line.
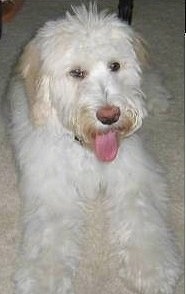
x=162 y=25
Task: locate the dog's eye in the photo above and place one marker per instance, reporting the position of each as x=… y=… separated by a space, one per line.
x=114 y=66
x=78 y=73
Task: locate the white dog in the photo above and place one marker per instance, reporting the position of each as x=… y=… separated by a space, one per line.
x=94 y=203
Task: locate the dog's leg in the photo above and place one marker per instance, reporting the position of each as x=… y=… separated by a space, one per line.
x=47 y=271
x=49 y=249
x=47 y=261
x=150 y=263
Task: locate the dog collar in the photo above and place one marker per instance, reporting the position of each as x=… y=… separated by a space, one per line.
x=78 y=140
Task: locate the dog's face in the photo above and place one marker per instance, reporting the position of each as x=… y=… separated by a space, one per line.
x=85 y=71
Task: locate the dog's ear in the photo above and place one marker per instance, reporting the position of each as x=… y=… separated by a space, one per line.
x=36 y=84
x=140 y=48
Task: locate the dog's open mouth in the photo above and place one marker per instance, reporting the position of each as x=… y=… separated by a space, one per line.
x=105 y=142
x=106 y=145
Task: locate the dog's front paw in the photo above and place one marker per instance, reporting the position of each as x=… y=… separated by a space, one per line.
x=155 y=281
x=151 y=268
x=37 y=281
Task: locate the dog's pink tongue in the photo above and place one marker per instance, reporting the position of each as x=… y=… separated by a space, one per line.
x=106 y=146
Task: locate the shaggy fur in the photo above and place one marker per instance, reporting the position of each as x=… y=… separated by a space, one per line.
x=94 y=202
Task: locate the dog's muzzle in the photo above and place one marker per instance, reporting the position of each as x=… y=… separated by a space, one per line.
x=105 y=140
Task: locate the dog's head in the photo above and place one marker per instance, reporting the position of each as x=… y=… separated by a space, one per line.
x=85 y=70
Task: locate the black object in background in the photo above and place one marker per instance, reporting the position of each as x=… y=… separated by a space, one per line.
x=125 y=8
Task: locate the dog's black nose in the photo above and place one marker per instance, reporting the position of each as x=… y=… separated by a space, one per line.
x=108 y=114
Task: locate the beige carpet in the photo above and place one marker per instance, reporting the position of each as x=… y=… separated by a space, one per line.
x=162 y=25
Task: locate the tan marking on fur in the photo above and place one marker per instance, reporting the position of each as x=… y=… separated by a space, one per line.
x=98 y=266
x=128 y=123
x=36 y=84
x=84 y=127
x=140 y=48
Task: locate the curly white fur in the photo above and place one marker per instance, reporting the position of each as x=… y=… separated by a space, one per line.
x=94 y=222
